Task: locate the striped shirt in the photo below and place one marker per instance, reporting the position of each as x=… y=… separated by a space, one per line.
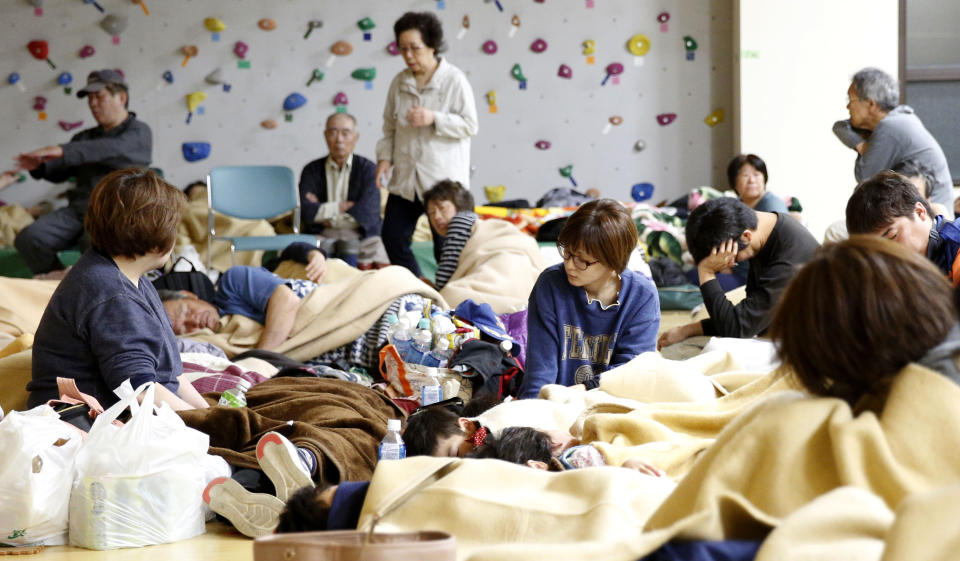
x=458 y=232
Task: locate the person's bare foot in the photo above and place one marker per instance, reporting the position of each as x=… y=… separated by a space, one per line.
x=53 y=275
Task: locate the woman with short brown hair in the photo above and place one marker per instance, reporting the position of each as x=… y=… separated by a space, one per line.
x=859 y=312
x=105 y=323
x=589 y=313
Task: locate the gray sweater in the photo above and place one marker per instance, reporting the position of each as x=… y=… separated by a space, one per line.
x=898 y=137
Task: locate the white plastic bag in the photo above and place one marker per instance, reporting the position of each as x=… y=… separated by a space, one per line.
x=36 y=472
x=139 y=484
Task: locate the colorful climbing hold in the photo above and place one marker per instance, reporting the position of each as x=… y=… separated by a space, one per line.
x=490 y=47
x=341 y=48
x=495 y=193
x=87 y=51
x=538 y=46
x=641 y=191
x=664 y=119
x=311 y=25
x=613 y=69
x=195 y=151
x=294 y=101
x=638 y=45
x=214 y=24
x=365 y=74
x=267 y=24
x=565 y=71
x=542 y=144
x=240 y=49
x=714 y=118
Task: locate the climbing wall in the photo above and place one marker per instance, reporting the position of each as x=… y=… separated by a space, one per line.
x=609 y=94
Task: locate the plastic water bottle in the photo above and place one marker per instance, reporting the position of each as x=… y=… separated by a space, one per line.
x=440 y=355
x=392 y=446
x=422 y=340
x=431 y=391
x=401 y=337
x=236 y=396
x=392 y=324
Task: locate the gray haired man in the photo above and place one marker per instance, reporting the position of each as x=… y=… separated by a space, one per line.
x=885 y=134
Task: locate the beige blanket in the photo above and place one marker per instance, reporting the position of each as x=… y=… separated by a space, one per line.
x=193 y=231
x=13 y=218
x=334 y=314
x=499 y=266
x=768 y=463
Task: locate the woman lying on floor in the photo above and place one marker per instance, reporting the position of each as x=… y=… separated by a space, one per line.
x=105 y=323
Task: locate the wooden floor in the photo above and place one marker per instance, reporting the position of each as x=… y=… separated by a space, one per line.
x=220 y=543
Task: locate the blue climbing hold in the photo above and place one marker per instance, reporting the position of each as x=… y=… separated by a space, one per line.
x=168 y=76
x=195 y=151
x=64 y=78
x=642 y=191
x=13 y=78
x=294 y=101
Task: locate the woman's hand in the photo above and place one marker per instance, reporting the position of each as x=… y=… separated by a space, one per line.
x=677 y=334
x=316 y=266
x=383 y=170
x=419 y=116
x=642 y=467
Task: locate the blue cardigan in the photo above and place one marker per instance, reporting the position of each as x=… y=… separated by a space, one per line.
x=362 y=191
x=571 y=342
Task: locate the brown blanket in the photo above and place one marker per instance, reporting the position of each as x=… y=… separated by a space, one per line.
x=342 y=423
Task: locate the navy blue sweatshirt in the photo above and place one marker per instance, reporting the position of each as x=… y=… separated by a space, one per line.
x=572 y=342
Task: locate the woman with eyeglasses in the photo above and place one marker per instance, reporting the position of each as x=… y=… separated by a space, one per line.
x=429 y=117
x=589 y=313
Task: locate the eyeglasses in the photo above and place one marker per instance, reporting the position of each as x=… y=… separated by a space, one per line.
x=580 y=264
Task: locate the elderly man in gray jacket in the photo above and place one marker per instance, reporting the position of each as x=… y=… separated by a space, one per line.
x=885 y=134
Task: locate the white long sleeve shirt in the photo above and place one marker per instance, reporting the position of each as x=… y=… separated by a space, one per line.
x=422 y=156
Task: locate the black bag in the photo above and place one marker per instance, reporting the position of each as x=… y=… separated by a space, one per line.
x=491 y=371
x=192 y=280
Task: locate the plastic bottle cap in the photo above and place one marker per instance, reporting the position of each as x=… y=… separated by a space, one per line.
x=424 y=324
x=393 y=424
x=443 y=344
x=505 y=346
x=392 y=319
x=243 y=385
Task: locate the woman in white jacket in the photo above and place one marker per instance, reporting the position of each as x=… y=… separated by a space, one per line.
x=429 y=117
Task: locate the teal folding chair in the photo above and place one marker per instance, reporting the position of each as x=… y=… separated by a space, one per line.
x=253 y=192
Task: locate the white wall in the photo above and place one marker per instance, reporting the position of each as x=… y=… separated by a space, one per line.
x=795 y=63
x=571 y=114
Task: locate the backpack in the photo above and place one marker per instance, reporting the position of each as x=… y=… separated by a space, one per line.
x=192 y=280
x=491 y=371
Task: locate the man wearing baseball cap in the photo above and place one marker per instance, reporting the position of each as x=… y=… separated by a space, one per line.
x=119 y=141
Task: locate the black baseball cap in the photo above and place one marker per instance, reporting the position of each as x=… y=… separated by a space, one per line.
x=98 y=79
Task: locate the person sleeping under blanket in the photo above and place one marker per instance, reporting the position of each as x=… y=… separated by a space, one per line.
x=273 y=302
